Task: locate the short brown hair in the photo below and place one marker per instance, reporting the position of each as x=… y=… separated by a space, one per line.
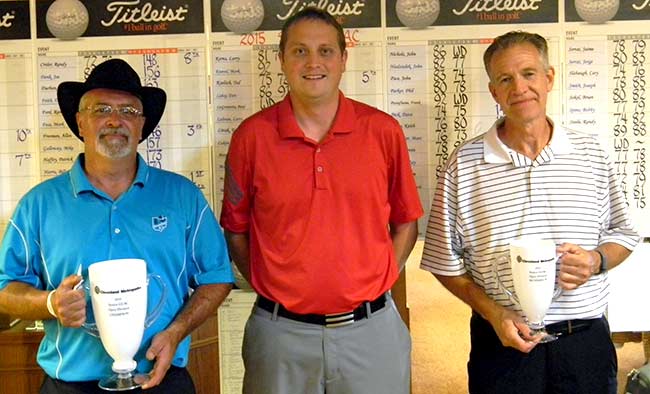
x=513 y=38
x=312 y=13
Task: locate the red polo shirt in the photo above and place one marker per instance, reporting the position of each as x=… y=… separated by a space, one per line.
x=317 y=214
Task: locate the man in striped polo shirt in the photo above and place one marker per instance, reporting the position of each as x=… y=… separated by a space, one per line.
x=530 y=176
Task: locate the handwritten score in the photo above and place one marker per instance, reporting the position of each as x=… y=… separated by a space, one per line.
x=438 y=91
x=18 y=137
x=179 y=143
x=431 y=80
x=608 y=72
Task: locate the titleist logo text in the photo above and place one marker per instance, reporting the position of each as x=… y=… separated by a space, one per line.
x=342 y=8
x=641 y=6
x=129 y=12
x=5 y=20
x=498 y=5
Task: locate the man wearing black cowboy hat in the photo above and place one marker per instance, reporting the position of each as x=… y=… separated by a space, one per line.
x=112 y=205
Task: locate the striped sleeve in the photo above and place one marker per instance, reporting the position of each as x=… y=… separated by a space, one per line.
x=619 y=226
x=442 y=252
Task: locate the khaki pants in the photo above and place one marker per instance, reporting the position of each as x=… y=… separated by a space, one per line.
x=369 y=356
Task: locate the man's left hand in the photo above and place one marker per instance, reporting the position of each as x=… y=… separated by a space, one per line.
x=576 y=265
x=162 y=349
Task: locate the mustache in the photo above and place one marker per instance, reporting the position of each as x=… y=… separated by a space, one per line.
x=121 y=131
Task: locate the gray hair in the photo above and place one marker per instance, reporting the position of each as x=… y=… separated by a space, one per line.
x=513 y=38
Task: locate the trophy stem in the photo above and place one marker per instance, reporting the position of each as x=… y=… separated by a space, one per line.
x=540 y=329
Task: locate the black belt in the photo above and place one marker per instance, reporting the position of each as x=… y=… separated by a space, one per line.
x=569 y=327
x=331 y=320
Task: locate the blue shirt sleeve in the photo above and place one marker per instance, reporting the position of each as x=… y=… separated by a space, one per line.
x=207 y=251
x=19 y=257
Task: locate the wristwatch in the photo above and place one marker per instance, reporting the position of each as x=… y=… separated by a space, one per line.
x=603 y=261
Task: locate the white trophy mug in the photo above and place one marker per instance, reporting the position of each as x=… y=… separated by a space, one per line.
x=533 y=263
x=118 y=292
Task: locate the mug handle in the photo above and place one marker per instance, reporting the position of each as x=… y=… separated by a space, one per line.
x=90 y=328
x=558 y=289
x=157 y=310
x=503 y=259
x=513 y=297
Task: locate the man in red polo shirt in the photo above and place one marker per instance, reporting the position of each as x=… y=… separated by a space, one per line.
x=320 y=213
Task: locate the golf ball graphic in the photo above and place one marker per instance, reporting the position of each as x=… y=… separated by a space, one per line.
x=67 y=19
x=417 y=14
x=242 y=16
x=596 y=11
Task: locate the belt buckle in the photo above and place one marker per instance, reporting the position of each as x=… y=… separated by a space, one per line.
x=334 y=320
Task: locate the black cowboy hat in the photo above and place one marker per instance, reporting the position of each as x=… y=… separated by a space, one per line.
x=113 y=74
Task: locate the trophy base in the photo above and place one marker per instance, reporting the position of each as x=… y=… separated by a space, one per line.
x=546 y=337
x=123 y=382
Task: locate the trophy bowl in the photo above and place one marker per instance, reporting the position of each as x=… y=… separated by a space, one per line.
x=118 y=293
x=533 y=264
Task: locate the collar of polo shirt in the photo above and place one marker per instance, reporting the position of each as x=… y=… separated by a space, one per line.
x=496 y=152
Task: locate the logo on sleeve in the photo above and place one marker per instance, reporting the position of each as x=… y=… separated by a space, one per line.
x=159 y=223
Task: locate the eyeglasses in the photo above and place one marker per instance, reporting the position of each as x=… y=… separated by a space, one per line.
x=105 y=110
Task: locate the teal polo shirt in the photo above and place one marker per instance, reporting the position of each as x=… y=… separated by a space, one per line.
x=65 y=222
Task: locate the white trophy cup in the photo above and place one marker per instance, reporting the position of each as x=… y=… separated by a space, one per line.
x=118 y=292
x=533 y=263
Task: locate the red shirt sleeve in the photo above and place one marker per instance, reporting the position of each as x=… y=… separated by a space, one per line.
x=402 y=193
x=236 y=207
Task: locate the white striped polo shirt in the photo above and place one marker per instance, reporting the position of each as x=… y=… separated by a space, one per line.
x=489 y=194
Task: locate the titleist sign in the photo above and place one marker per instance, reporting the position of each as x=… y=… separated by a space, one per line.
x=626 y=10
x=130 y=12
x=484 y=12
x=14 y=20
x=5 y=20
x=499 y=5
x=133 y=17
x=350 y=13
x=341 y=8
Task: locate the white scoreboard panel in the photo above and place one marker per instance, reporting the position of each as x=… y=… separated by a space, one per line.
x=431 y=79
x=19 y=156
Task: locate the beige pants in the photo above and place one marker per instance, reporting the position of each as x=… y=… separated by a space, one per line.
x=370 y=356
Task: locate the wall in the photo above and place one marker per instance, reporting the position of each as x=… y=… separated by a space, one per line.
x=431 y=78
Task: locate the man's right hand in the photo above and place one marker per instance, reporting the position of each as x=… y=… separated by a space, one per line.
x=508 y=325
x=70 y=304
x=513 y=331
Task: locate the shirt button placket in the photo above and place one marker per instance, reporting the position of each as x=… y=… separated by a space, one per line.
x=115 y=221
x=319 y=169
